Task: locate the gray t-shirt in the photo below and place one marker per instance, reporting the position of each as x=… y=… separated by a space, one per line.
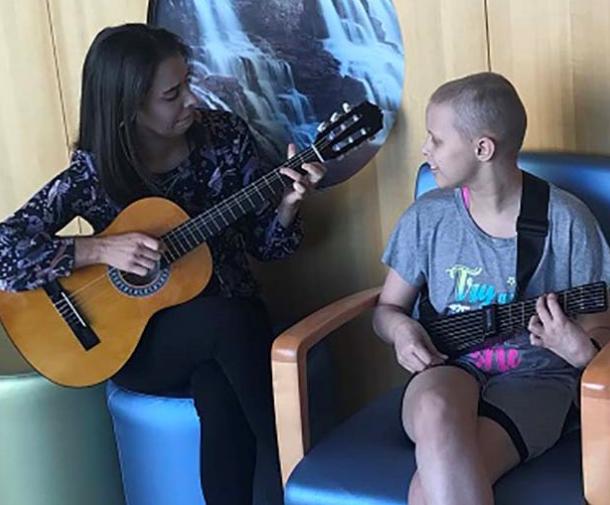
x=436 y=242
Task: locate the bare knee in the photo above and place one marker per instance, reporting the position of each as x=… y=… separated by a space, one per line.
x=438 y=402
x=435 y=412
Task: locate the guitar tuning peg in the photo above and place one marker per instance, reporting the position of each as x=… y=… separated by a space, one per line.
x=322 y=126
x=334 y=117
x=350 y=139
x=346 y=107
x=343 y=127
x=363 y=132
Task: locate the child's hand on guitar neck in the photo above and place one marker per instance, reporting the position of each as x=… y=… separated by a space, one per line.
x=414 y=349
x=551 y=328
x=135 y=253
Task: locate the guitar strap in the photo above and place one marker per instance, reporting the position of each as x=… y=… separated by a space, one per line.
x=532 y=229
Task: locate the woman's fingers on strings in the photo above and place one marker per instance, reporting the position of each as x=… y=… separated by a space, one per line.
x=293 y=174
x=137 y=268
x=149 y=254
x=300 y=188
x=149 y=242
x=146 y=263
x=315 y=172
x=301 y=184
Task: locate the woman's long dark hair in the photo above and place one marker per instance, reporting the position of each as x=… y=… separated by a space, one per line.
x=117 y=74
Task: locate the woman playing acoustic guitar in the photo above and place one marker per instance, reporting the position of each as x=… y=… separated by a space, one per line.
x=140 y=135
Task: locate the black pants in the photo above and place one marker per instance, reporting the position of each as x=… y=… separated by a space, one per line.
x=218 y=350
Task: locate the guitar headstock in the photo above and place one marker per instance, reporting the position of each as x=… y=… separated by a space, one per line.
x=348 y=129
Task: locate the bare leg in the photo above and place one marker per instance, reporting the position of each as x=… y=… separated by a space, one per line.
x=416 y=493
x=493 y=440
x=458 y=455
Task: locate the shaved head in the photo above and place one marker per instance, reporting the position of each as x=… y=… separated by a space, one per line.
x=486 y=105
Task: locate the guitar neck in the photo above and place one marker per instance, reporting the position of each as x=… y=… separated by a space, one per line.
x=336 y=137
x=194 y=232
x=459 y=333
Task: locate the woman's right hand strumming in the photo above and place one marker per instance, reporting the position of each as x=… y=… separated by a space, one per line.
x=135 y=253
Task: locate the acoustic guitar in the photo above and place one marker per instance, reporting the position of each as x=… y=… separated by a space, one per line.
x=462 y=333
x=81 y=330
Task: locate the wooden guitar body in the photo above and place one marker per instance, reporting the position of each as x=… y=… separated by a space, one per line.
x=81 y=330
x=117 y=311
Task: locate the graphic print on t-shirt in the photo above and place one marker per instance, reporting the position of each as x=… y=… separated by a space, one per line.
x=469 y=293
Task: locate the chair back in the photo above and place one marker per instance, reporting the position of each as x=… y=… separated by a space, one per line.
x=586 y=176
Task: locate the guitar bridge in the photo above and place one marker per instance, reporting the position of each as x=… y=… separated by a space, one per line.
x=71 y=316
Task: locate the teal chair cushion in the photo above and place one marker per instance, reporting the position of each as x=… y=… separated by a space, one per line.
x=56 y=445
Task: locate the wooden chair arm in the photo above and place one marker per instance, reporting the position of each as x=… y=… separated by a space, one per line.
x=289 y=369
x=595 y=412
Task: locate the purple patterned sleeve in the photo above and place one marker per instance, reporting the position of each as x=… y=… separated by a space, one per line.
x=30 y=253
x=265 y=237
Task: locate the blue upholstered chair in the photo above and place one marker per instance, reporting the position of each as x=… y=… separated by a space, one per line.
x=157 y=438
x=368 y=460
x=158 y=444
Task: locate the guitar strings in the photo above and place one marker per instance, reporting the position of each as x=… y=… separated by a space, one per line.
x=63 y=306
x=228 y=204
x=460 y=333
x=474 y=326
x=452 y=323
x=575 y=298
x=75 y=296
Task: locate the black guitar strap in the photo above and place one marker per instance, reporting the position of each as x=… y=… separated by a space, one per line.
x=532 y=229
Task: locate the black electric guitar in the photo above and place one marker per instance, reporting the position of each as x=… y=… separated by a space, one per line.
x=462 y=333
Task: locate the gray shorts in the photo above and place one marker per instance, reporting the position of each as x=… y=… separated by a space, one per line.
x=535 y=407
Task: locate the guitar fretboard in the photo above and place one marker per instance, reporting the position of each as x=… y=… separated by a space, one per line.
x=194 y=232
x=461 y=333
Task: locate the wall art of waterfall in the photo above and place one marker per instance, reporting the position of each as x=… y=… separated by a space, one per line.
x=286 y=65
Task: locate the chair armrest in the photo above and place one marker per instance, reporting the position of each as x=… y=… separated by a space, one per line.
x=289 y=369
x=595 y=412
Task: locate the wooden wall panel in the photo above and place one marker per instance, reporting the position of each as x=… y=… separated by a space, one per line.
x=443 y=39
x=75 y=24
x=557 y=53
x=32 y=138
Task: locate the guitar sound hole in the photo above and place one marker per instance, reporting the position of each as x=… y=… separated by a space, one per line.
x=141 y=280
